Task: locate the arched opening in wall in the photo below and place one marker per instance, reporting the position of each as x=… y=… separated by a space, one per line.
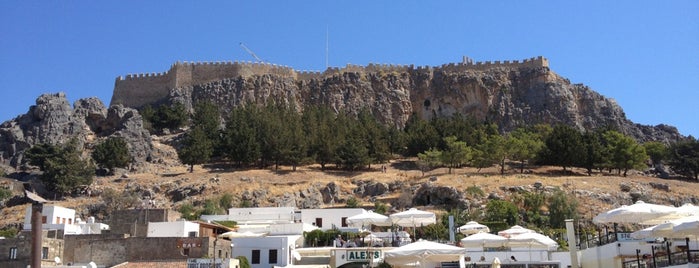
x=427 y=104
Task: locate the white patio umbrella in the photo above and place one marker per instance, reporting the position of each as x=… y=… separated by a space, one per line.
x=643 y=233
x=473 y=227
x=683 y=211
x=664 y=230
x=515 y=230
x=367 y=218
x=413 y=218
x=640 y=212
x=532 y=240
x=422 y=251
x=481 y=240
x=687 y=229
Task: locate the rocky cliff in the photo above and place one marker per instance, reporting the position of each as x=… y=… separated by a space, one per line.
x=52 y=120
x=508 y=95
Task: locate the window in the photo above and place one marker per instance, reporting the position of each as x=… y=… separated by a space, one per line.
x=192 y=234
x=219 y=254
x=319 y=222
x=344 y=221
x=44 y=253
x=13 y=253
x=272 y=256
x=255 y=256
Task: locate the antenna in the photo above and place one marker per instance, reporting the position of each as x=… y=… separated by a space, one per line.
x=251 y=53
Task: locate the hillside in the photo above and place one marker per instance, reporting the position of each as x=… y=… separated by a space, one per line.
x=509 y=94
x=170 y=185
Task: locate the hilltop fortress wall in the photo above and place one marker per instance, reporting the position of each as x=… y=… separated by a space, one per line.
x=137 y=90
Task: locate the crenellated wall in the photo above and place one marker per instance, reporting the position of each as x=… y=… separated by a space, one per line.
x=137 y=90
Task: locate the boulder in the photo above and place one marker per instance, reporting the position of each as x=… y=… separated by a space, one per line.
x=430 y=194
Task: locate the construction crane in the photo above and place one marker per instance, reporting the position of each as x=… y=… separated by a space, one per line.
x=251 y=53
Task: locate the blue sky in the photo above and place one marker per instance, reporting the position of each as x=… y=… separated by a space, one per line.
x=643 y=54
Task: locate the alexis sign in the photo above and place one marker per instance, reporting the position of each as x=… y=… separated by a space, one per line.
x=363 y=255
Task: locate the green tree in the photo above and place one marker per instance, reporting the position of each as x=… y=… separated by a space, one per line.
x=489 y=151
x=374 y=137
x=456 y=154
x=624 y=152
x=532 y=202
x=429 y=160
x=165 y=116
x=296 y=148
x=323 y=134
x=594 y=154
x=62 y=166
x=420 y=136
x=212 y=207
x=240 y=136
x=380 y=207
x=225 y=201
x=112 y=153
x=352 y=202
x=562 y=147
x=352 y=153
x=657 y=151
x=196 y=148
x=208 y=118
x=188 y=212
x=561 y=207
x=115 y=200
x=501 y=210
x=684 y=158
x=524 y=146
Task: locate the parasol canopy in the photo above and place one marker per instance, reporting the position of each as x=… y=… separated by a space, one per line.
x=422 y=251
x=664 y=230
x=515 y=230
x=368 y=218
x=413 y=218
x=681 y=212
x=640 y=212
x=687 y=229
x=473 y=227
x=532 y=240
x=483 y=240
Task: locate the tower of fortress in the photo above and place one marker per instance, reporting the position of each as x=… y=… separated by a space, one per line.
x=137 y=90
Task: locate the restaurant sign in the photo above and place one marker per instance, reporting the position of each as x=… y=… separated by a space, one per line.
x=363 y=255
x=188 y=243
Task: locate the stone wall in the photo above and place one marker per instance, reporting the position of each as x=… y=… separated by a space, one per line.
x=109 y=248
x=113 y=249
x=135 y=221
x=52 y=240
x=137 y=90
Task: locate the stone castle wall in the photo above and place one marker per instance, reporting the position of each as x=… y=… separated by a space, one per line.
x=137 y=90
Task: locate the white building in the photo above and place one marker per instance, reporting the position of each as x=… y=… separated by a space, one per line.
x=173 y=229
x=266 y=215
x=60 y=218
x=327 y=219
x=268 y=251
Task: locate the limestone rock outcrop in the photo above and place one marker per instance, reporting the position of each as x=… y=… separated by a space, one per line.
x=508 y=95
x=52 y=120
